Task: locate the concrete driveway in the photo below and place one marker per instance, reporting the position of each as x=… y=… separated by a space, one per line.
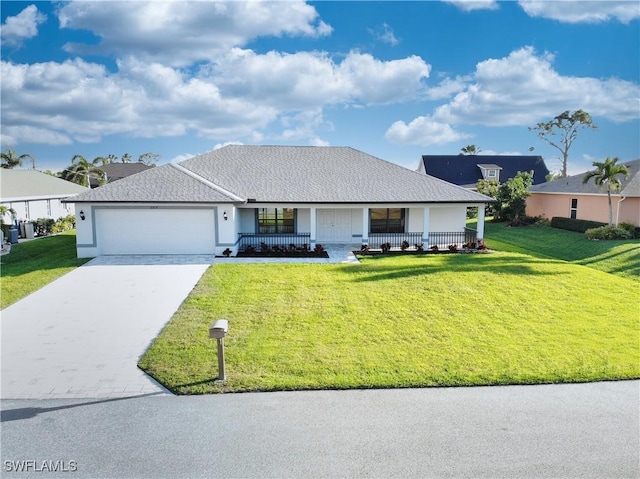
x=82 y=335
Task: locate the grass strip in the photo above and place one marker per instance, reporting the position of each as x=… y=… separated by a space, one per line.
x=33 y=264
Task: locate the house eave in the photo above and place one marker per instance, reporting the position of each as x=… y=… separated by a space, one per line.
x=153 y=202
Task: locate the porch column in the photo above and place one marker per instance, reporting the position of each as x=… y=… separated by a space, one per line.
x=365 y=226
x=312 y=227
x=425 y=227
x=480 y=233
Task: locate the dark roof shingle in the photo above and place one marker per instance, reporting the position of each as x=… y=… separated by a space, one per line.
x=463 y=170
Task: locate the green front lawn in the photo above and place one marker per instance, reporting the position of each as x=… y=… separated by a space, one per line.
x=617 y=257
x=402 y=321
x=33 y=264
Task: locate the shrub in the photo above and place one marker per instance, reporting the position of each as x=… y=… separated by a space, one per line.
x=64 y=224
x=524 y=221
x=569 y=224
x=43 y=226
x=608 y=233
x=631 y=228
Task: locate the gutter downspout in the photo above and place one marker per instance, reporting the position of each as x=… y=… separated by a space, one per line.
x=618 y=210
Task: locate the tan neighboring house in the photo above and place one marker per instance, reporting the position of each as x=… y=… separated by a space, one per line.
x=570 y=198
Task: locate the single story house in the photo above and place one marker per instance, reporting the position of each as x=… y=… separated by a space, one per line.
x=239 y=196
x=117 y=171
x=33 y=194
x=466 y=170
x=570 y=198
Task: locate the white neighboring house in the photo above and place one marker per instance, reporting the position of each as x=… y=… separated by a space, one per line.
x=33 y=194
x=240 y=196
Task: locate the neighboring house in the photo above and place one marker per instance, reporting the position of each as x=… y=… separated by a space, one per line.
x=33 y=194
x=240 y=195
x=117 y=171
x=466 y=170
x=570 y=198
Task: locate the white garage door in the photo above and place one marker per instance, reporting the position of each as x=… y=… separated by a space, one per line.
x=155 y=231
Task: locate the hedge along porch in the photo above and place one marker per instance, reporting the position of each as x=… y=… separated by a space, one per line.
x=228 y=197
x=372 y=225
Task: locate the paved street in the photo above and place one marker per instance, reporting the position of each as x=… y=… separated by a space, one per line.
x=581 y=430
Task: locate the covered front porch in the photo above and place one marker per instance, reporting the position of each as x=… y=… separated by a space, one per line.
x=408 y=226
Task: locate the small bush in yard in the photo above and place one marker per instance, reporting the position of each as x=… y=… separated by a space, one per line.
x=64 y=224
x=569 y=224
x=631 y=228
x=43 y=226
x=608 y=233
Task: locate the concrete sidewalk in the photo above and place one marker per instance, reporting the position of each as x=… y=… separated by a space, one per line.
x=82 y=335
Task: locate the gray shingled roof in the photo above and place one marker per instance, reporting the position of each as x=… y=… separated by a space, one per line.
x=162 y=184
x=280 y=174
x=573 y=184
x=33 y=184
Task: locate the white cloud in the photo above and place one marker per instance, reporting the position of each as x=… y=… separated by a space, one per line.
x=423 y=131
x=12 y=135
x=469 y=5
x=519 y=90
x=385 y=34
x=239 y=97
x=312 y=79
x=85 y=102
x=375 y=81
x=586 y=11
x=523 y=88
x=447 y=87
x=21 y=27
x=179 y=33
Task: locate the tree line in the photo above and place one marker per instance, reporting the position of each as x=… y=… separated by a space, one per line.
x=81 y=170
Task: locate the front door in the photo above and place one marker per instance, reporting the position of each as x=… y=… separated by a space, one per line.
x=334 y=226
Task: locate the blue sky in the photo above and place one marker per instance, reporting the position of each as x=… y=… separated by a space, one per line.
x=393 y=79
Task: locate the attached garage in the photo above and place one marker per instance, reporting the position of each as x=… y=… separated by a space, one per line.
x=155 y=230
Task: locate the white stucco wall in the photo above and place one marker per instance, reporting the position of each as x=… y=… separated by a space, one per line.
x=40 y=208
x=447 y=218
x=415 y=220
x=303 y=216
x=246 y=220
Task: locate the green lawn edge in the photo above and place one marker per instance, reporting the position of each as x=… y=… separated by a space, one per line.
x=33 y=264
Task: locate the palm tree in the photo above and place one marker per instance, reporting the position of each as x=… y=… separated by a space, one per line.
x=11 y=160
x=81 y=171
x=606 y=175
x=470 y=150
